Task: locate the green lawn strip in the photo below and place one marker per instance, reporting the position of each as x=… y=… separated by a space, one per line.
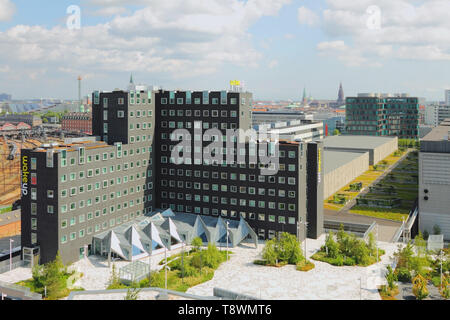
x=6 y=209
x=347 y=261
x=367 y=178
x=62 y=293
x=395 y=214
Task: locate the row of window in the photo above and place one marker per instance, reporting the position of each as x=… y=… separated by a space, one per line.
x=126 y=166
x=232 y=201
x=231 y=213
x=99 y=227
x=198 y=113
x=198 y=186
x=105 y=156
x=205 y=101
x=95 y=215
x=64 y=208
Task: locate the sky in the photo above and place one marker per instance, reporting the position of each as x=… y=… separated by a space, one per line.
x=276 y=47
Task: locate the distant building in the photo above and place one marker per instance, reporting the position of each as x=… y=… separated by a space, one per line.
x=341 y=97
x=280 y=115
x=436 y=114
x=26 y=118
x=5 y=97
x=447 y=97
x=383 y=115
x=434 y=180
x=77 y=121
x=297 y=130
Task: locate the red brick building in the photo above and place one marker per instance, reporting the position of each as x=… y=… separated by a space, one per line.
x=78 y=121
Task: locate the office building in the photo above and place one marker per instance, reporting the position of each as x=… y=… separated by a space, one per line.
x=447 y=97
x=77 y=122
x=434 y=181
x=295 y=130
x=383 y=115
x=74 y=192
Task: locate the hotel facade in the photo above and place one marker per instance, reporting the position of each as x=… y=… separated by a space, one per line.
x=152 y=150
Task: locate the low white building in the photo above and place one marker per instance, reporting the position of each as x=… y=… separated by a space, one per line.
x=434 y=181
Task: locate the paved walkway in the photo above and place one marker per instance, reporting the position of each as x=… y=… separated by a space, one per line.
x=324 y=282
x=16 y=275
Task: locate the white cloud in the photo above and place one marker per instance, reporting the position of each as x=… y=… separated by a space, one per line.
x=273 y=64
x=110 y=11
x=179 y=38
x=408 y=29
x=7 y=10
x=308 y=17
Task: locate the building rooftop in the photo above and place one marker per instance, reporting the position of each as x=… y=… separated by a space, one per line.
x=438 y=134
x=336 y=159
x=356 y=142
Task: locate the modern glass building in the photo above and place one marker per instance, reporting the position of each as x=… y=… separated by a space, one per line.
x=383 y=115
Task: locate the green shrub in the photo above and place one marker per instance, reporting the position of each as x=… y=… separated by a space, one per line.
x=285 y=250
x=403 y=275
x=197 y=243
x=436 y=280
x=349 y=261
x=211 y=257
x=331 y=246
x=339 y=261
x=270 y=253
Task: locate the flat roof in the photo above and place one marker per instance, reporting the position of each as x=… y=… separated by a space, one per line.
x=337 y=159
x=437 y=134
x=356 y=142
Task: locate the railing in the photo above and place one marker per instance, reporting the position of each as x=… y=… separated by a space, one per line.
x=407 y=225
x=366 y=234
x=15 y=265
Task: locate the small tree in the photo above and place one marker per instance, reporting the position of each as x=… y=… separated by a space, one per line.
x=197 y=243
x=331 y=246
x=420 y=287
x=133 y=292
x=114 y=280
x=270 y=253
x=444 y=288
x=436 y=229
x=391 y=278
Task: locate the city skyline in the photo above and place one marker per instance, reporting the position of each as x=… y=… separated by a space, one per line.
x=275 y=48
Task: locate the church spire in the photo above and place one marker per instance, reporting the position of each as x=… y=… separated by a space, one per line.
x=341 y=97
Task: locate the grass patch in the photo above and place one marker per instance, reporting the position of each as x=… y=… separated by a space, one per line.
x=267 y=264
x=305 y=266
x=367 y=178
x=395 y=214
x=5 y=209
x=387 y=294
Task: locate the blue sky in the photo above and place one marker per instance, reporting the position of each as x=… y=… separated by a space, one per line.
x=277 y=47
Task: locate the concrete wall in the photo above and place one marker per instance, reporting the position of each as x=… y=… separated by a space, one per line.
x=385 y=150
x=343 y=175
x=434 y=176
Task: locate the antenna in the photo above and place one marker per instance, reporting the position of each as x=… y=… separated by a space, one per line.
x=79 y=90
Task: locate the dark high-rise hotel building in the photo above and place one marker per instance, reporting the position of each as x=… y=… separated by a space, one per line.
x=74 y=191
x=383 y=115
